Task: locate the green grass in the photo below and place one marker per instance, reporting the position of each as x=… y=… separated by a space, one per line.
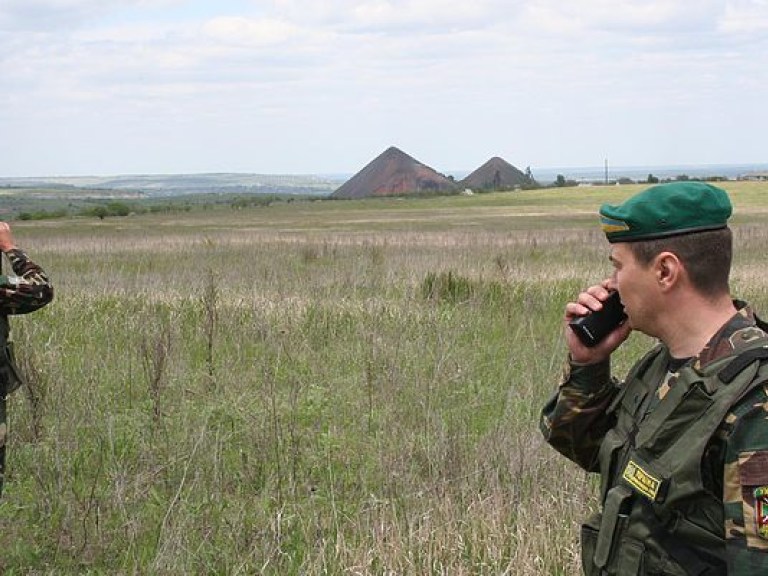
x=309 y=388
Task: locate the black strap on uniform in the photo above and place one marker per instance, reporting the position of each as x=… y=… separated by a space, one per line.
x=763 y=325
x=735 y=366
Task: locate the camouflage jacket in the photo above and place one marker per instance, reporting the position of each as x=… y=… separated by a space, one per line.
x=735 y=463
x=27 y=289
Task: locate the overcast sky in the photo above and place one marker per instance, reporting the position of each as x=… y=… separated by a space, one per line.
x=100 y=87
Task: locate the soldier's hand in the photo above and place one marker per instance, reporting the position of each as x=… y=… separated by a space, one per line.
x=591 y=300
x=6 y=238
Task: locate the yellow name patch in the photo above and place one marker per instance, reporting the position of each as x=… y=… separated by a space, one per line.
x=645 y=483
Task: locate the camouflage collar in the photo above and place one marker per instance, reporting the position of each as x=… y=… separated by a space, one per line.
x=740 y=331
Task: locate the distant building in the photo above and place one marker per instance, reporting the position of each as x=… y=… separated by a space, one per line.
x=756 y=176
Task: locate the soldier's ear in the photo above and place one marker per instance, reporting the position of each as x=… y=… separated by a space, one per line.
x=668 y=270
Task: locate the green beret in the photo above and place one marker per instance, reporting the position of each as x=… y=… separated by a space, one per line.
x=666 y=210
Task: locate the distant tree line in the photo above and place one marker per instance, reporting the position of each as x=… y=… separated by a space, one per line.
x=561 y=181
x=100 y=211
x=120 y=209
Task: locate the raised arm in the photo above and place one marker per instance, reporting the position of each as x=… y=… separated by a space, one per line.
x=28 y=287
x=574 y=421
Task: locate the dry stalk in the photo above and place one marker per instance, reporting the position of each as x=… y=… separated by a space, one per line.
x=210 y=304
x=155 y=350
x=36 y=393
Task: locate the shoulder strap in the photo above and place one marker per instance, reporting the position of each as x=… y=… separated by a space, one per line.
x=745 y=358
x=735 y=366
x=762 y=324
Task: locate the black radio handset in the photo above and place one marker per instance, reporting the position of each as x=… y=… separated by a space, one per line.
x=593 y=327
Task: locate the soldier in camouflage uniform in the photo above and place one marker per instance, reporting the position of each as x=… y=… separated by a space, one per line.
x=23 y=289
x=681 y=445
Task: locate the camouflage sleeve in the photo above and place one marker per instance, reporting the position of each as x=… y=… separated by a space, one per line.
x=574 y=421
x=27 y=289
x=745 y=485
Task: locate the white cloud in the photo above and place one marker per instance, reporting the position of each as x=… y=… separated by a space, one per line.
x=62 y=15
x=250 y=32
x=641 y=16
x=396 y=16
x=327 y=75
x=416 y=13
x=745 y=16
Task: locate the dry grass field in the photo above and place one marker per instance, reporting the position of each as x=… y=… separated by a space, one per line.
x=330 y=387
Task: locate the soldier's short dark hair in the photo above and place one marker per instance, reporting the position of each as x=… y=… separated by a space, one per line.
x=706 y=256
